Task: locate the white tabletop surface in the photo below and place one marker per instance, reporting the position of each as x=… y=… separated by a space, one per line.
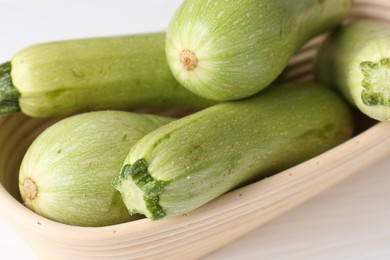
x=349 y=221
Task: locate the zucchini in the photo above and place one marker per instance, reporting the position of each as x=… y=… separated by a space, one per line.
x=227 y=50
x=356 y=60
x=195 y=159
x=62 y=78
x=66 y=173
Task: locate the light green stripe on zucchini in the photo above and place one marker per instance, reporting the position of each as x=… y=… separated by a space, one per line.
x=187 y=163
x=356 y=59
x=61 y=78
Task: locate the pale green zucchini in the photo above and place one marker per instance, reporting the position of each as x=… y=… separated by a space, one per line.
x=61 y=78
x=66 y=173
x=228 y=49
x=356 y=60
x=195 y=159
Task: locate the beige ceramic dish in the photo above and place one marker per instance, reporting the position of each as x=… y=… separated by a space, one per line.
x=213 y=225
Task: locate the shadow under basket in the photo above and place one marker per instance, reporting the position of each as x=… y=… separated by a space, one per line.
x=213 y=225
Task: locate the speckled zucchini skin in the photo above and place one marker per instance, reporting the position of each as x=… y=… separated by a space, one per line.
x=61 y=78
x=195 y=159
x=229 y=49
x=66 y=173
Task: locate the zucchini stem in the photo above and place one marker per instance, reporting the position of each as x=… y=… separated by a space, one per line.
x=151 y=188
x=9 y=95
x=376 y=82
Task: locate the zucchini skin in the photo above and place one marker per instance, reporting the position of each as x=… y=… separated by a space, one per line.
x=355 y=59
x=66 y=173
x=189 y=162
x=227 y=50
x=8 y=93
x=123 y=72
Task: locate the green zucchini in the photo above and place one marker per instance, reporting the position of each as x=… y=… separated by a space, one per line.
x=61 y=78
x=195 y=159
x=356 y=60
x=227 y=49
x=66 y=173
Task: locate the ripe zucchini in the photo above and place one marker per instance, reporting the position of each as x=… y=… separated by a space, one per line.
x=356 y=60
x=66 y=173
x=228 y=49
x=195 y=159
x=61 y=78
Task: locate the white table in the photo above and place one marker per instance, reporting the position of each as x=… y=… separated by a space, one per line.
x=349 y=221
